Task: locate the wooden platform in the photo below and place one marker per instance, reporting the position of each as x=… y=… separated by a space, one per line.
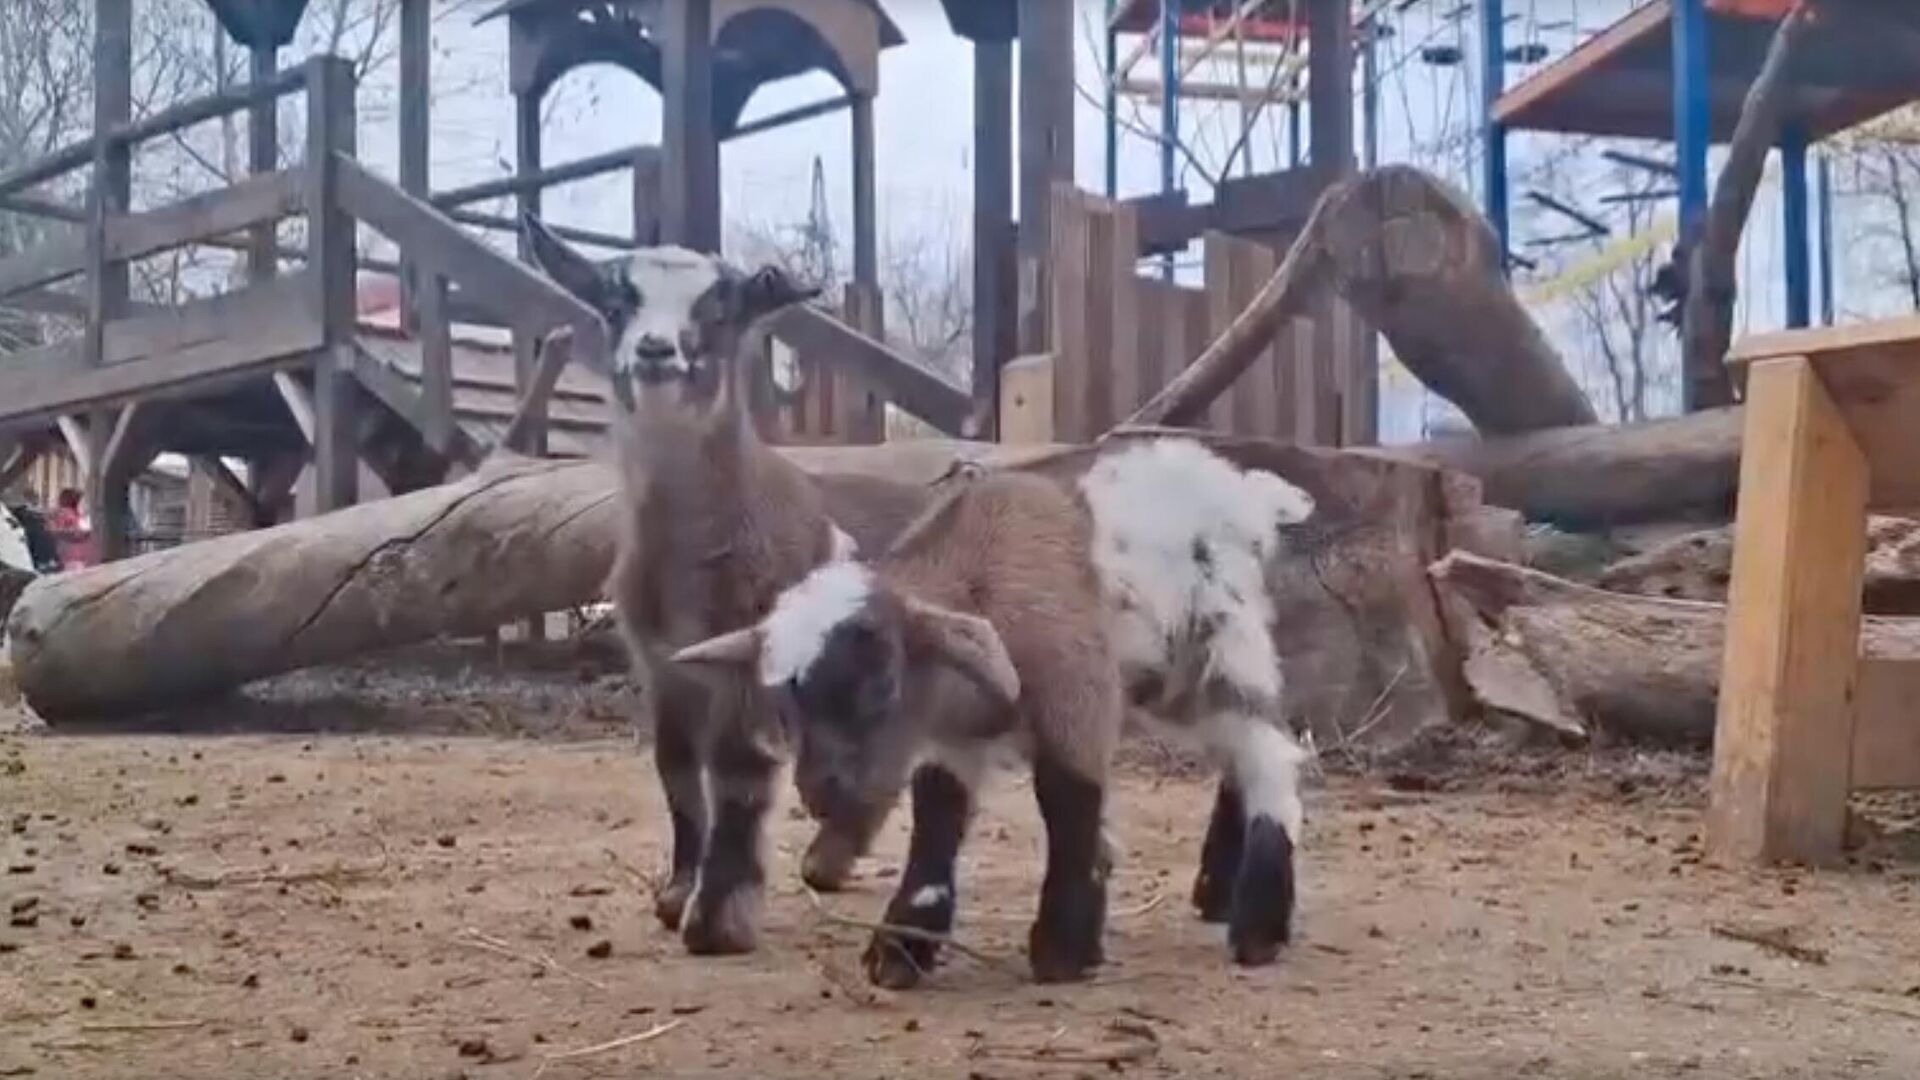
x=1832 y=430
x=1620 y=82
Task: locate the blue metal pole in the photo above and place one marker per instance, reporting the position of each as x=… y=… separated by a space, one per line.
x=1493 y=80
x=1793 y=187
x=1112 y=105
x=1169 y=105
x=1293 y=129
x=1691 y=123
x=1827 y=291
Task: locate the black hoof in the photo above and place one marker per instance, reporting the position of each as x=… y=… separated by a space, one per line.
x=723 y=925
x=670 y=903
x=828 y=864
x=1212 y=896
x=1262 y=918
x=898 y=963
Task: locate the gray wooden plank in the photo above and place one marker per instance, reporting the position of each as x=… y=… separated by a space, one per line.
x=257 y=199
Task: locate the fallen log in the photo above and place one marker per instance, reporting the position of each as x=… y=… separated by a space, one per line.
x=1423 y=267
x=1699 y=564
x=1365 y=644
x=1635 y=666
x=1599 y=476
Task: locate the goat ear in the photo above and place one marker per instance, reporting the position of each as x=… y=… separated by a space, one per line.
x=736 y=648
x=563 y=263
x=970 y=644
x=770 y=289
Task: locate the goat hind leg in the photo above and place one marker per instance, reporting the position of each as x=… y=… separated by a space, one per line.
x=1065 y=941
x=1220 y=854
x=1266 y=765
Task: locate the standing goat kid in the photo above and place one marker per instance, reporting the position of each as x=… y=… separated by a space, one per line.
x=1020 y=610
x=716 y=524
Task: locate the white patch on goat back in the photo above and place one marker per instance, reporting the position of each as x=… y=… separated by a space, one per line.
x=670 y=281
x=804 y=616
x=1181 y=541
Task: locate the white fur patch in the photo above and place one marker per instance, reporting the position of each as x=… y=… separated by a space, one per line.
x=927 y=896
x=14 y=552
x=670 y=281
x=1265 y=763
x=1181 y=540
x=797 y=629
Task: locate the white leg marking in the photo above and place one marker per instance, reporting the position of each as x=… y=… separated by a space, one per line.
x=927 y=896
x=1266 y=766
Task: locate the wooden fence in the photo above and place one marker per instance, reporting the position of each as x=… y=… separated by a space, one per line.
x=1116 y=337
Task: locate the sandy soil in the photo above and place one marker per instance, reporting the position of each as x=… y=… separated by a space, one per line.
x=360 y=904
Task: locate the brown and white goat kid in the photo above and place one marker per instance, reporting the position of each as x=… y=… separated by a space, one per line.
x=1020 y=610
x=716 y=525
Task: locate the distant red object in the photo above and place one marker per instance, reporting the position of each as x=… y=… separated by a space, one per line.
x=1270 y=24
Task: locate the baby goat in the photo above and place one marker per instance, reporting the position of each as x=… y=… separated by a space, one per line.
x=716 y=524
x=1019 y=610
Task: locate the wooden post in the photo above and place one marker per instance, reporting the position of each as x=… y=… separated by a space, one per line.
x=866 y=256
x=646 y=196
x=111 y=191
x=526 y=342
x=1046 y=149
x=1782 y=750
x=994 y=328
x=1330 y=82
x=263 y=156
x=690 y=189
x=330 y=261
x=416 y=90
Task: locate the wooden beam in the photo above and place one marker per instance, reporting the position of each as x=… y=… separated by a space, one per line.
x=263 y=157
x=1782 y=748
x=73 y=431
x=53 y=261
x=512 y=225
x=485 y=277
x=330 y=231
x=535 y=179
x=19 y=459
x=866 y=258
x=1555 y=78
x=121 y=456
x=1046 y=148
x=1330 y=82
x=261 y=199
x=995 y=327
x=789 y=116
x=299 y=402
x=448 y=440
x=690 y=185
x=817 y=335
x=336 y=430
x=530 y=412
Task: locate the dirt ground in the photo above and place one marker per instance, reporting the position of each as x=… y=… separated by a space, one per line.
x=333 y=899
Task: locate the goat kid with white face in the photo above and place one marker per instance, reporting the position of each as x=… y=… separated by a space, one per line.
x=715 y=525
x=1020 y=611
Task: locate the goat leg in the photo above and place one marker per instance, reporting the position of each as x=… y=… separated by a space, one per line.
x=677 y=758
x=723 y=915
x=1065 y=942
x=1220 y=854
x=926 y=898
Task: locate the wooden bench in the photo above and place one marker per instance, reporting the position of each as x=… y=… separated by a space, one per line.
x=1832 y=430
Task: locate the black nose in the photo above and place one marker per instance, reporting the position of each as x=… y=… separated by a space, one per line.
x=654 y=348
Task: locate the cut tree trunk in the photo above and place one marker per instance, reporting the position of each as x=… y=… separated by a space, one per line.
x=1600 y=476
x=1698 y=565
x=1420 y=264
x=1367 y=652
x=1635 y=666
x=1713 y=278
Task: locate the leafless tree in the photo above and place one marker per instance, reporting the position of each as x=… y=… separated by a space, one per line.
x=1886 y=173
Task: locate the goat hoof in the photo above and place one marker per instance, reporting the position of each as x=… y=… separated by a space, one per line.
x=723 y=926
x=1212 y=897
x=828 y=863
x=671 y=901
x=1056 y=961
x=1262 y=918
x=897 y=963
